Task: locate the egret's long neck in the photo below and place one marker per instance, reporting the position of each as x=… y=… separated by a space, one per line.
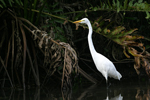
x=91 y=46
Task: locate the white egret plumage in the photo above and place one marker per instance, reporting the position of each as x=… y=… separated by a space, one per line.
x=103 y=64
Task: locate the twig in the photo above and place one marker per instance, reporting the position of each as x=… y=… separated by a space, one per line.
x=31 y=63
x=6 y=71
x=24 y=54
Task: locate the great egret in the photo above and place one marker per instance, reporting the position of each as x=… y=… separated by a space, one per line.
x=103 y=64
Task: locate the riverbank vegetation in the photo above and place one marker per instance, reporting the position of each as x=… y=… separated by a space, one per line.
x=39 y=45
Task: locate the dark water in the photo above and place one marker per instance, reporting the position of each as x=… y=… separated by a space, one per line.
x=120 y=91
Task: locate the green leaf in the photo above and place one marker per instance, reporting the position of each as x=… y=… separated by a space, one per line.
x=117 y=30
x=118 y=40
x=129 y=32
x=45 y=26
x=55 y=5
x=95 y=8
x=147 y=46
x=98 y=30
x=59 y=68
x=147 y=15
x=78 y=16
x=57 y=10
x=59 y=29
x=59 y=21
x=105 y=30
x=1 y=6
x=3 y=3
x=125 y=4
x=18 y=2
x=114 y=3
x=10 y=2
x=101 y=23
x=109 y=3
x=131 y=3
x=140 y=1
x=118 y=6
x=21 y=3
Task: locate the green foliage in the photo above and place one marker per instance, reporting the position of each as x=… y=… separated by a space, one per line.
x=118 y=35
x=42 y=15
x=7 y=3
x=54 y=23
x=126 y=5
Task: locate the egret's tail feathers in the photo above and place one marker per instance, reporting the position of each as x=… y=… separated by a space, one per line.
x=119 y=75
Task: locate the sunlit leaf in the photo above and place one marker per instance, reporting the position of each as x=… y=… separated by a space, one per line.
x=129 y=32
x=147 y=15
x=95 y=8
x=98 y=30
x=118 y=6
x=117 y=40
x=117 y=30
x=108 y=31
x=105 y=30
x=125 y=4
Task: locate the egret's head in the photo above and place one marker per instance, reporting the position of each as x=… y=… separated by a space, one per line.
x=84 y=20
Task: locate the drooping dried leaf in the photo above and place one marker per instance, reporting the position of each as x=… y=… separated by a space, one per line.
x=66 y=21
x=146 y=65
x=128 y=42
x=124 y=51
x=70 y=61
x=137 y=62
x=134 y=52
x=131 y=38
x=77 y=26
x=136 y=69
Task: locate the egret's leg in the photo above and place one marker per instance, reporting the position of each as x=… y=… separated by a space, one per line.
x=108 y=84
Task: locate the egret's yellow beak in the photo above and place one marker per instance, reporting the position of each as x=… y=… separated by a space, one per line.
x=78 y=21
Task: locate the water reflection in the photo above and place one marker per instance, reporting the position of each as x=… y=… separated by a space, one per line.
x=119 y=97
x=83 y=92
